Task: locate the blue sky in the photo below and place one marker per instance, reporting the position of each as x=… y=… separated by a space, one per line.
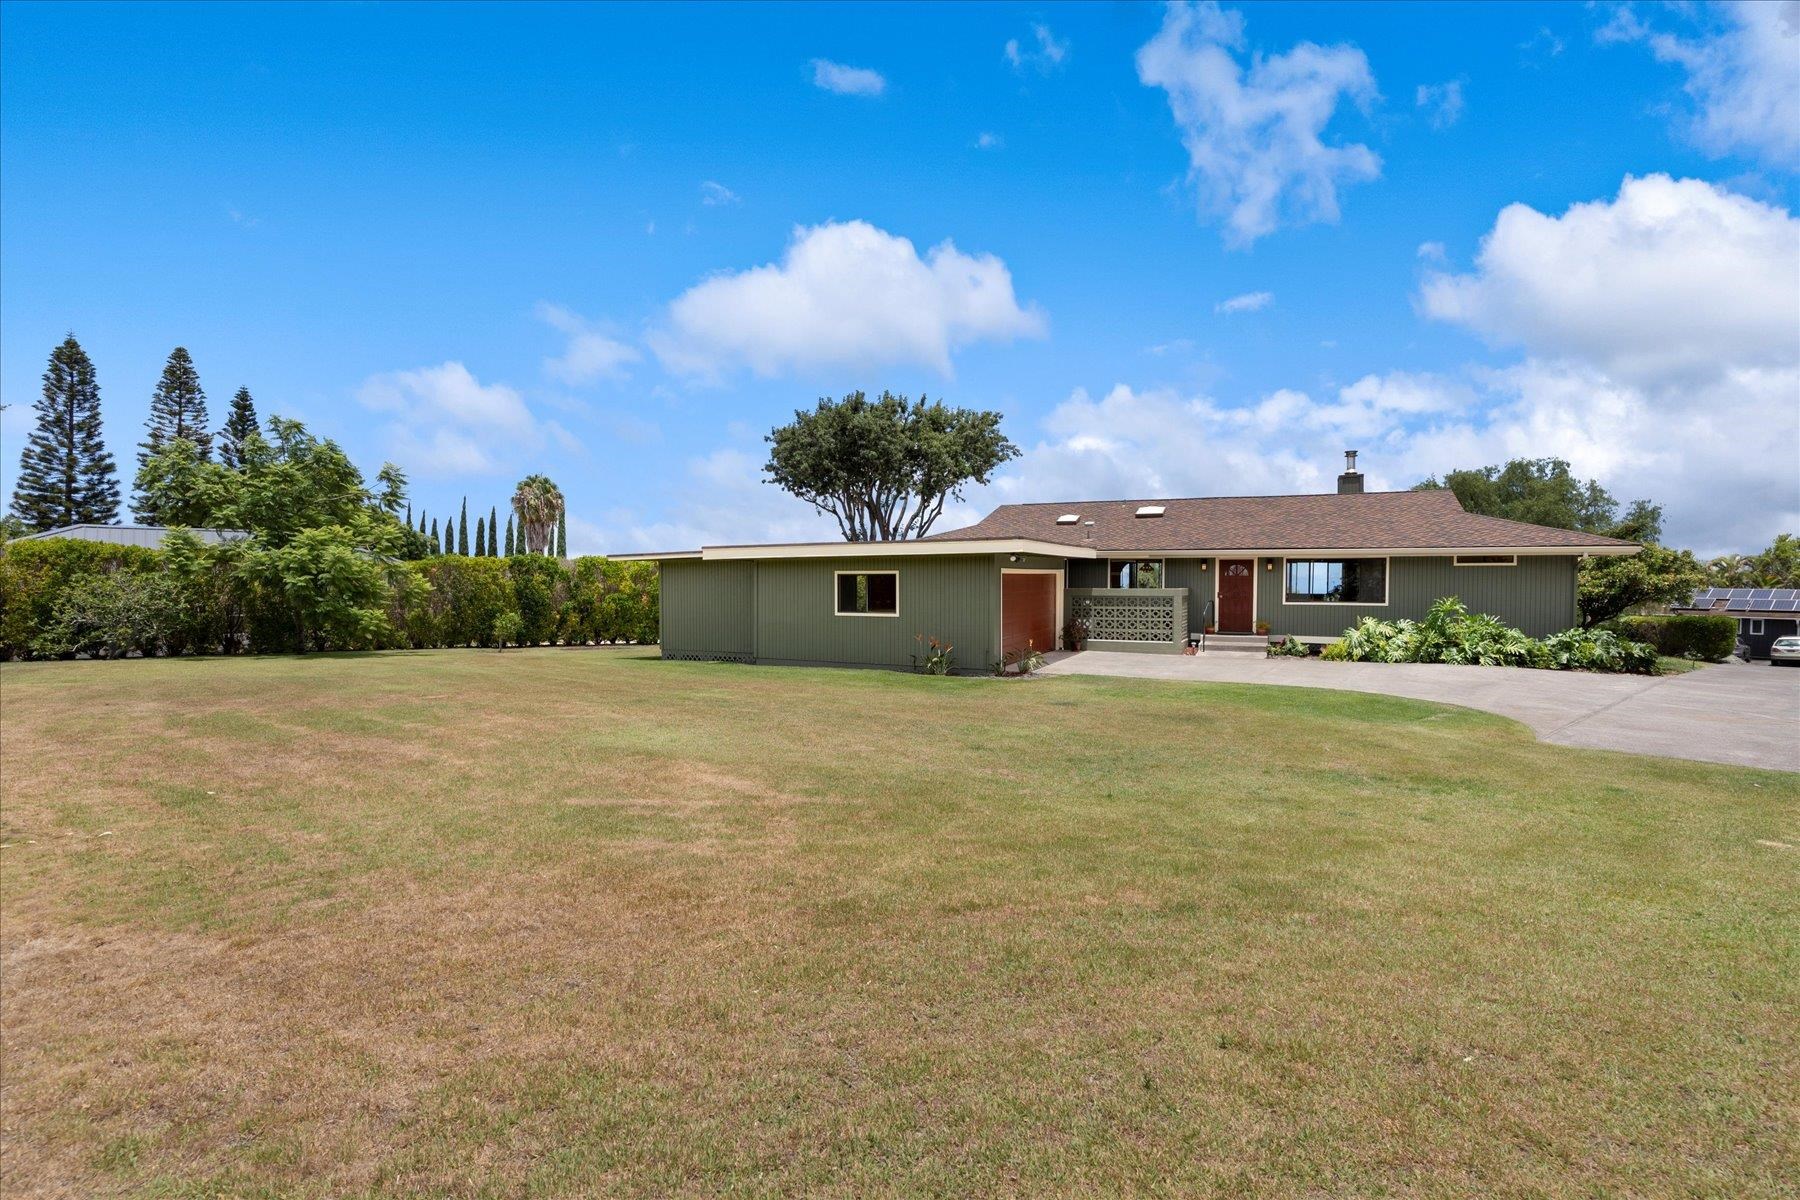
x=1187 y=251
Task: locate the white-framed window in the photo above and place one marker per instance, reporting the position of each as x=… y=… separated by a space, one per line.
x=1334 y=581
x=1487 y=560
x=1134 y=572
x=1750 y=626
x=867 y=593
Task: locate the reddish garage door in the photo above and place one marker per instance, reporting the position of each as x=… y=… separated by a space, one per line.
x=1028 y=611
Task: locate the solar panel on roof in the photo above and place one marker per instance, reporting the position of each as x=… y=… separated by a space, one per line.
x=1762 y=594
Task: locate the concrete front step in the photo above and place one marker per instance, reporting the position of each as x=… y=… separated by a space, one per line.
x=1239 y=643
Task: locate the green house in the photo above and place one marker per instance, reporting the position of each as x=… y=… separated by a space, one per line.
x=1144 y=575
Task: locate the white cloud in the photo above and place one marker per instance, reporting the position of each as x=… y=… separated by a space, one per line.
x=1044 y=55
x=1542 y=45
x=590 y=354
x=715 y=194
x=1672 y=279
x=1662 y=339
x=1743 y=73
x=447 y=421
x=1441 y=102
x=1248 y=302
x=726 y=501
x=847 y=81
x=1431 y=252
x=1254 y=136
x=990 y=141
x=844 y=294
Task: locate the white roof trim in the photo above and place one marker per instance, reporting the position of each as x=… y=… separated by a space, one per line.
x=948 y=546
x=913 y=549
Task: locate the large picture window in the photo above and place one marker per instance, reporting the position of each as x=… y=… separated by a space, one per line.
x=1134 y=573
x=868 y=594
x=1337 y=581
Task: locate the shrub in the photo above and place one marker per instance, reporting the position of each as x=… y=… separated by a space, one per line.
x=1682 y=635
x=507 y=628
x=1450 y=633
x=1075 y=634
x=110 y=615
x=540 y=589
x=937 y=660
x=1288 y=647
x=1598 y=650
x=35 y=574
x=322 y=589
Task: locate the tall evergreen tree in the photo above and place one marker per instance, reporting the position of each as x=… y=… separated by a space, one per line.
x=480 y=537
x=66 y=477
x=493 y=533
x=437 y=547
x=450 y=534
x=239 y=424
x=409 y=514
x=177 y=410
x=562 y=533
x=509 y=536
x=462 y=530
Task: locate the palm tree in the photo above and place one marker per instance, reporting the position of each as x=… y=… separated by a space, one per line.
x=538 y=502
x=1730 y=570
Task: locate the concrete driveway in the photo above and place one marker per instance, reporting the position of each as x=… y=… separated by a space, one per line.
x=1748 y=715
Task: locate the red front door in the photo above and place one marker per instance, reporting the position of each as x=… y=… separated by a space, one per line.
x=1028 y=611
x=1237 y=595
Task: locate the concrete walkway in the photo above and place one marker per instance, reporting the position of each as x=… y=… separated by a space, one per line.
x=1748 y=715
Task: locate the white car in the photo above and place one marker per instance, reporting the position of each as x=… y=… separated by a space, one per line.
x=1785 y=652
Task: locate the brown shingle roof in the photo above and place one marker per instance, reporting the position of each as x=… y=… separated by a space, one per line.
x=1427 y=520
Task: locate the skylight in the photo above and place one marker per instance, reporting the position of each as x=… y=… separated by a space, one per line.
x=1150 y=510
x=1068 y=518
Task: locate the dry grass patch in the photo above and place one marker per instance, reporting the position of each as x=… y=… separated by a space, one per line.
x=578 y=923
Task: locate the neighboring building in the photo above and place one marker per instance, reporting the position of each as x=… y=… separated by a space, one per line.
x=1142 y=575
x=1763 y=614
x=130 y=535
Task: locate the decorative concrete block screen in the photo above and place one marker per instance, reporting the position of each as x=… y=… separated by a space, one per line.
x=1132 y=618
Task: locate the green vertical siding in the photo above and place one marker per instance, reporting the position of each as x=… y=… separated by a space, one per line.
x=956 y=599
x=784 y=611
x=708 y=609
x=1537 y=596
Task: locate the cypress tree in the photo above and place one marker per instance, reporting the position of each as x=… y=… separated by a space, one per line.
x=436 y=546
x=493 y=533
x=177 y=410
x=462 y=530
x=480 y=537
x=450 y=535
x=409 y=514
x=240 y=424
x=509 y=536
x=562 y=533
x=421 y=522
x=66 y=477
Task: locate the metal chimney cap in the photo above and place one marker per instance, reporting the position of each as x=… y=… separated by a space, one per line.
x=1350 y=459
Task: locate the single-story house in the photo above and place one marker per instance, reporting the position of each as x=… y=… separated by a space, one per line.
x=149 y=536
x=1763 y=614
x=1139 y=574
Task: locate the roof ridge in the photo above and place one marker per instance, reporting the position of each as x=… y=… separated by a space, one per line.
x=1259 y=496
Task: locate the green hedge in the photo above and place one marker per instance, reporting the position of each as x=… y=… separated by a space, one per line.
x=35 y=575
x=60 y=597
x=1683 y=635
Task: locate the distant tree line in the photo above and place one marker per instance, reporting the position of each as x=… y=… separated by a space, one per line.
x=319 y=559
x=1543 y=491
x=67 y=477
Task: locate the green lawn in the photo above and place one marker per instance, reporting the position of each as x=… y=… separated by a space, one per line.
x=571 y=923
